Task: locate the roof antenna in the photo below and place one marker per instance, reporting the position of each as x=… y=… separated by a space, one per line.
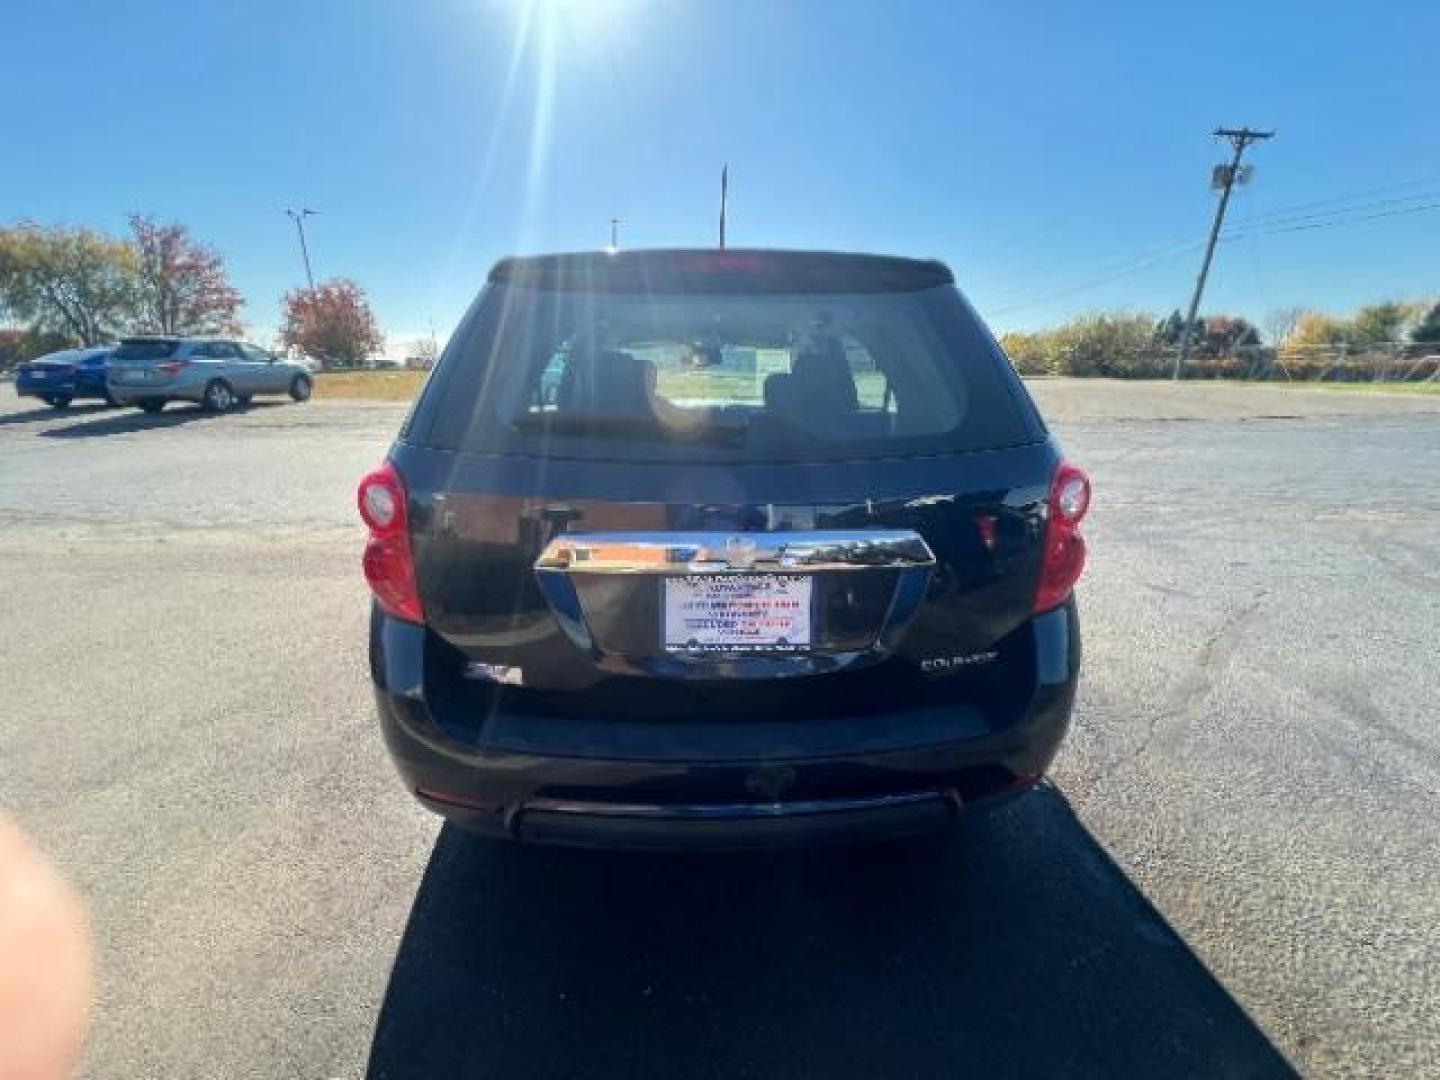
x=724 y=196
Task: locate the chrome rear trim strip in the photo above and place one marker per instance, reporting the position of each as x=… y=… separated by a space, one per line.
x=740 y=552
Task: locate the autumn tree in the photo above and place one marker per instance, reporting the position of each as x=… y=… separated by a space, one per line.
x=1315 y=328
x=1219 y=334
x=74 y=282
x=1026 y=351
x=182 y=284
x=332 y=322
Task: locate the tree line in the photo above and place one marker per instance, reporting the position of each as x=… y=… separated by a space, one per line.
x=70 y=286
x=1388 y=339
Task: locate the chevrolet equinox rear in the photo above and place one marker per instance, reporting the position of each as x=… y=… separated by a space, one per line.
x=714 y=549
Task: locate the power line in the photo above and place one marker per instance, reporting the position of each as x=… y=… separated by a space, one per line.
x=1333 y=223
x=1272 y=223
x=1144 y=263
x=1288 y=219
x=1332 y=200
x=1102 y=271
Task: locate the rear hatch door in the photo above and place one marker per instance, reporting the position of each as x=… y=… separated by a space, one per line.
x=720 y=485
x=135 y=361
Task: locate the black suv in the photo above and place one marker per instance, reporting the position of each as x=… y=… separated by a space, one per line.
x=721 y=549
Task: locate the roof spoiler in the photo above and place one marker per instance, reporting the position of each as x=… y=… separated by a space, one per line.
x=733 y=270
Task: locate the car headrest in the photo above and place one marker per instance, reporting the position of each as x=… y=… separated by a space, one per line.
x=609 y=381
x=822 y=374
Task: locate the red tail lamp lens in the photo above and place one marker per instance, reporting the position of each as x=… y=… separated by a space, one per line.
x=389 y=561
x=1064 y=557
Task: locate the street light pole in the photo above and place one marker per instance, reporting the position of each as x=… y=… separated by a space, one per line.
x=299 y=216
x=724 y=201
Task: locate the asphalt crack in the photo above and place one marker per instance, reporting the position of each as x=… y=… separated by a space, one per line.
x=1195 y=684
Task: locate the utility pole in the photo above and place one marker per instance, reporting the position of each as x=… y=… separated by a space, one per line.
x=615 y=224
x=299 y=216
x=724 y=197
x=1239 y=138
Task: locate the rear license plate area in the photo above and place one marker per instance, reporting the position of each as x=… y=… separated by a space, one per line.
x=738 y=613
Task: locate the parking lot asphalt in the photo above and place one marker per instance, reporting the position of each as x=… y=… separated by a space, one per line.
x=1236 y=870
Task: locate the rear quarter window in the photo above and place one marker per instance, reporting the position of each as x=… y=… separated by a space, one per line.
x=733 y=377
x=146 y=350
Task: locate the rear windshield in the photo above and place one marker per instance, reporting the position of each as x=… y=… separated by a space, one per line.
x=65 y=356
x=146 y=350
x=681 y=376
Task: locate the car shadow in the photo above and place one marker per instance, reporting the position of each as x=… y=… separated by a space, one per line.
x=45 y=412
x=1017 y=949
x=123 y=421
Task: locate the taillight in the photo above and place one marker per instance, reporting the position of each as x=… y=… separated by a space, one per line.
x=1064 y=557
x=171 y=368
x=389 y=562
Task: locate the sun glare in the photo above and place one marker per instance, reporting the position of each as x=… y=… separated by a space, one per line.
x=578 y=18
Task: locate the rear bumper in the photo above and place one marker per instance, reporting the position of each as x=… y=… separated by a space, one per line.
x=79 y=385
x=688 y=786
x=715 y=826
x=43 y=388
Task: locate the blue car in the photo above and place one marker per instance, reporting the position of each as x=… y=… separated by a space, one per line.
x=61 y=377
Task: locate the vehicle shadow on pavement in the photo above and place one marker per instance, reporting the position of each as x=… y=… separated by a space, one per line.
x=128 y=420
x=45 y=412
x=1020 y=949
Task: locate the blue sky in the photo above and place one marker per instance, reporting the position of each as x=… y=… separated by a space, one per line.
x=1035 y=147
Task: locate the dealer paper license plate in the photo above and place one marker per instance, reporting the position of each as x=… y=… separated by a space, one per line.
x=738 y=613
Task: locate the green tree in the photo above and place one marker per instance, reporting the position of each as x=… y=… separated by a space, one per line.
x=1379 y=324
x=1169 y=329
x=76 y=282
x=1102 y=343
x=17 y=346
x=1114 y=343
x=1427 y=330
